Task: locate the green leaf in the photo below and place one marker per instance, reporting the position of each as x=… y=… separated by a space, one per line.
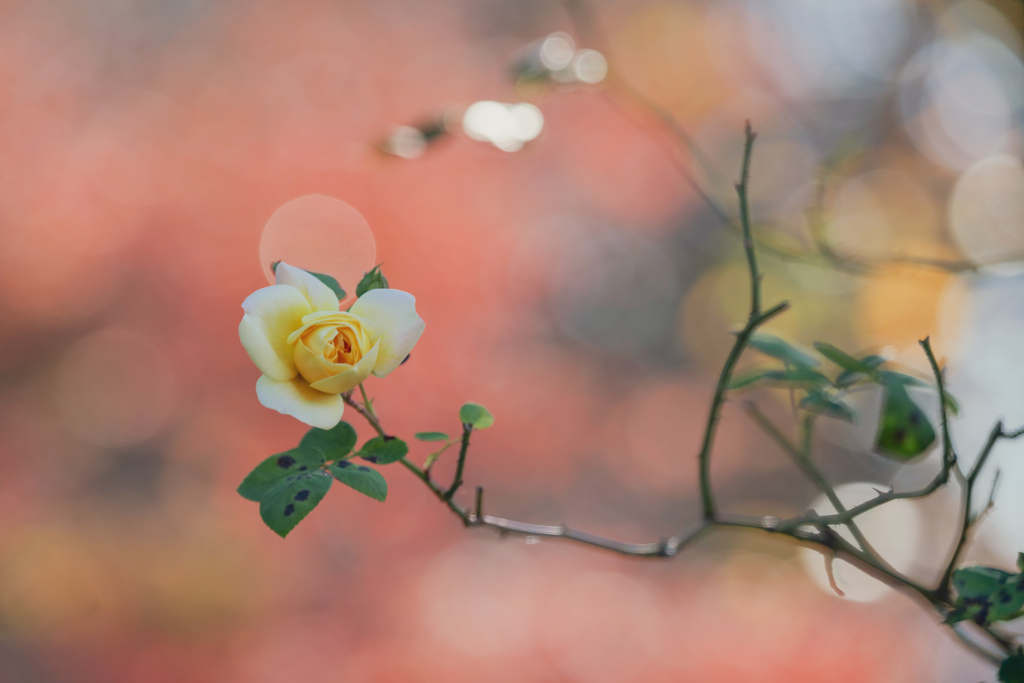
x=830 y=406
x=277 y=467
x=843 y=359
x=372 y=280
x=904 y=430
x=745 y=378
x=794 y=378
x=326 y=279
x=776 y=347
x=847 y=378
x=987 y=595
x=888 y=377
x=333 y=443
x=364 y=479
x=383 y=450
x=1012 y=669
x=289 y=501
x=476 y=416
x=972 y=583
x=430 y=436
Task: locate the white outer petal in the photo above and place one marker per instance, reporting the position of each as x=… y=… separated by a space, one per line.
x=296 y=398
x=393 y=312
x=319 y=295
x=271 y=315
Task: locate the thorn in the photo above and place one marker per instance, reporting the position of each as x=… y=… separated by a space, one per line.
x=830 y=572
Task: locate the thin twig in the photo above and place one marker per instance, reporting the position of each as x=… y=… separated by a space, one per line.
x=589 y=33
x=967 y=518
x=467 y=429
x=748 y=239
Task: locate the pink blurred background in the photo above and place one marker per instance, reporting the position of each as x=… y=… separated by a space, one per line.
x=578 y=288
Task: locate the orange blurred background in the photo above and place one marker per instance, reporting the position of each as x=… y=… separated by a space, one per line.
x=578 y=287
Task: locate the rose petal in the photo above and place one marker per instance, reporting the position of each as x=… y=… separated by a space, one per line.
x=271 y=314
x=296 y=398
x=335 y=319
x=313 y=366
x=393 y=312
x=319 y=295
x=351 y=377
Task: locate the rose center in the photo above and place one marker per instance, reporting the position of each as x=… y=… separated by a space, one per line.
x=344 y=347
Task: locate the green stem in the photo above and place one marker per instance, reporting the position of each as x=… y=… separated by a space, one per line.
x=717 y=399
x=457 y=480
x=748 y=239
x=366 y=400
x=754 y=320
x=367 y=415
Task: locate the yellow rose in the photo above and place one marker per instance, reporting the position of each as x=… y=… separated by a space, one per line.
x=310 y=352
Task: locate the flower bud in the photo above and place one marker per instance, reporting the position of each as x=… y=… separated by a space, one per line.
x=372 y=280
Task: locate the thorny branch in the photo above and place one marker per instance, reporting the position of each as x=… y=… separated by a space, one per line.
x=809 y=529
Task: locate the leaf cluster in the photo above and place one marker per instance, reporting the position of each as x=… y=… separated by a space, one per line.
x=904 y=431
x=289 y=485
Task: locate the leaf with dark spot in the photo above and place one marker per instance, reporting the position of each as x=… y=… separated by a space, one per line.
x=383 y=451
x=986 y=595
x=904 y=431
x=365 y=480
x=278 y=467
x=283 y=505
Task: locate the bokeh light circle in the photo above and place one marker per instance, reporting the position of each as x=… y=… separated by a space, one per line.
x=893 y=530
x=987 y=207
x=321 y=234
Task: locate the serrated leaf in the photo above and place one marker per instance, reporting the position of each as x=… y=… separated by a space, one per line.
x=333 y=443
x=843 y=359
x=277 y=467
x=1012 y=669
x=746 y=378
x=823 y=404
x=796 y=378
x=430 y=436
x=331 y=282
x=289 y=501
x=779 y=348
x=383 y=450
x=476 y=416
x=904 y=431
x=363 y=479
